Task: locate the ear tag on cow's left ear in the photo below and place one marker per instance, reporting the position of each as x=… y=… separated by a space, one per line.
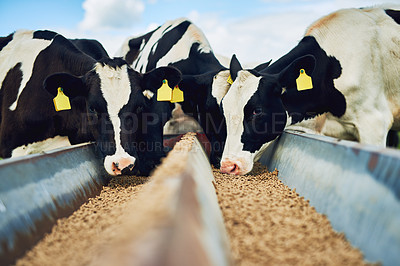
x=164 y=93
x=61 y=101
x=229 y=80
x=304 y=82
x=177 y=95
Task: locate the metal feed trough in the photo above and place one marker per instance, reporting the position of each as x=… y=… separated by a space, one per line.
x=356 y=186
x=38 y=189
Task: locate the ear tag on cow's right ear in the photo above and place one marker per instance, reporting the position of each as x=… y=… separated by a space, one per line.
x=61 y=101
x=164 y=93
x=177 y=95
x=304 y=82
x=229 y=80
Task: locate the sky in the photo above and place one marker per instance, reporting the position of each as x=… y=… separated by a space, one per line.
x=255 y=30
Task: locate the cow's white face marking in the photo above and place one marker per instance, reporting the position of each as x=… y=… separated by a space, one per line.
x=240 y=92
x=15 y=52
x=220 y=85
x=116 y=89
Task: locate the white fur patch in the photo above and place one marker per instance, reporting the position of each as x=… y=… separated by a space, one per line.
x=41 y=146
x=148 y=94
x=21 y=49
x=220 y=85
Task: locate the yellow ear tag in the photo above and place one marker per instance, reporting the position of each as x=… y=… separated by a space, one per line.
x=304 y=82
x=229 y=80
x=164 y=93
x=177 y=95
x=61 y=101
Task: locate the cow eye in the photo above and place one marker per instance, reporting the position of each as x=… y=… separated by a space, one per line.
x=92 y=110
x=257 y=111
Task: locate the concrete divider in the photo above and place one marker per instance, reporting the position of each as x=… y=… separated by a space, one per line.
x=38 y=189
x=356 y=186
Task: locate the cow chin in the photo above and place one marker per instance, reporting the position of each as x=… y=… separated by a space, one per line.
x=236 y=165
x=119 y=164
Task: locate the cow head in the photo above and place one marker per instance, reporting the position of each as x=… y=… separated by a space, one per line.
x=204 y=94
x=113 y=93
x=259 y=105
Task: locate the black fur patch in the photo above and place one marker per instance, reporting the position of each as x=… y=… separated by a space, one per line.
x=44 y=34
x=394 y=14
x=5 y=40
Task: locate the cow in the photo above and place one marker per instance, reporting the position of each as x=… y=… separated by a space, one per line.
x=350 y=57
x=50 y=91
x=205 y=81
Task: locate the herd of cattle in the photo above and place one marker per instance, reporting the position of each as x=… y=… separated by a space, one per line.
x=341 y=80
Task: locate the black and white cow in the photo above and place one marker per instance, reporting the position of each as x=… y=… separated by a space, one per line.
x=352 y=56
x=105 y=98
x=182 y=44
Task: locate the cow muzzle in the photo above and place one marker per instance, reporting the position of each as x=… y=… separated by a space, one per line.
x=117 y=165
x=237 y=166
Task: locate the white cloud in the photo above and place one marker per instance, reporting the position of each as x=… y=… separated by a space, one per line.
x=108 y=14
x=270 y=36
x=257 y=39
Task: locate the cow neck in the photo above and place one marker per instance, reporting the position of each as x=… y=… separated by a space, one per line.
x=296 y=106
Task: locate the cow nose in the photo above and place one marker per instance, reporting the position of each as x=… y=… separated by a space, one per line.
x=120 y=166
x=124 y=165
x=115 y=168
x=229 y=167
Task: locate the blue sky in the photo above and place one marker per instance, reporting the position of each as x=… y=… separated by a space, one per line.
x=255 y=30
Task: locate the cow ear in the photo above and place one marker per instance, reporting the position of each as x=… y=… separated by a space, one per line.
x=234 y=67
x=288 y=76
x=72 y=86
x=262 y=66
x=153 y=79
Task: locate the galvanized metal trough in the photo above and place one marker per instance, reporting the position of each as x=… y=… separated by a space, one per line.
x=38 y=189
x=356 y=186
